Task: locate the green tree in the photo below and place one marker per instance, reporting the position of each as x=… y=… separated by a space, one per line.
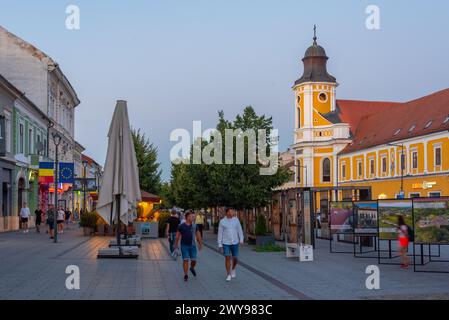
x=146 y=154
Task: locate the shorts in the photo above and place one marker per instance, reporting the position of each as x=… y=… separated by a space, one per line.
x=188 y=252
x=60 y=221
x=403 y=242
x=51 y=224
x=24 y=220
x=231 y=250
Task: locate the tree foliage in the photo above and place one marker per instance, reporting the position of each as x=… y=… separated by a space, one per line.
x=238 y=185
x=149 y=171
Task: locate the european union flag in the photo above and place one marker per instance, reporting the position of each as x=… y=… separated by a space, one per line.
x=66 y=172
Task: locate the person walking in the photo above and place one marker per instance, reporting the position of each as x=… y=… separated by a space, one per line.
x=199 y=221
x=189 y=235
x=230 y=235
x=68 y=214
x=60 y=220
x=171 y=229
x=38 y=214
x=25 y=216
x=403 y=241
x=51 y=220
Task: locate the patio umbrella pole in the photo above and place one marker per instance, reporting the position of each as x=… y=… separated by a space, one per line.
x=118 y=219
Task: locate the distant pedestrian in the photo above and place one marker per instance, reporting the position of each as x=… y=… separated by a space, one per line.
x=189 y=236
x=318 y=220
x=25 y=216
x=68 y=214
x=76 y=214
x=38 y=214
x=51 y=220
x=230 y=235
x=171 y=229
x=60 y=220
x=403 y=241
x=199 y=221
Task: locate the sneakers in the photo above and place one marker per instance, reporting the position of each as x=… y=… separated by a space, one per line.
x=186 y=277
x=228 y=278
x=233 y=273
x=193 y=272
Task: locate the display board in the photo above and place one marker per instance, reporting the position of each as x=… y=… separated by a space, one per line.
x=389 y=211
x=365 y=217
x=431 y=217
x=341 y=217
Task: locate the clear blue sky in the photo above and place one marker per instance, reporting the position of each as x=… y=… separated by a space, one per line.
x=179 y=61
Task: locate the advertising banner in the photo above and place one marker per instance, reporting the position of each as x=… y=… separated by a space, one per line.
x=341 y=217
x=389 y=212
x=431 y=217
x=365 y=217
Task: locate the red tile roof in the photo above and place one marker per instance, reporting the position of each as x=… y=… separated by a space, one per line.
x=352 y=111
x=383 y=127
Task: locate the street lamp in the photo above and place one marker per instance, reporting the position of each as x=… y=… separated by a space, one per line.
x=57 y=141
x=85 y=163
x=401 y=192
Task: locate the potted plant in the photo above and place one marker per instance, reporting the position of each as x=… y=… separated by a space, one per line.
x=262 y=236
x=88 y=222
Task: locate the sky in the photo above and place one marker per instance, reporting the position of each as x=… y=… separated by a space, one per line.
x=179 y=61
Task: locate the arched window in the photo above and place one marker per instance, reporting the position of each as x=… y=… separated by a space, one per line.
x=326 y=170
x=299 y=118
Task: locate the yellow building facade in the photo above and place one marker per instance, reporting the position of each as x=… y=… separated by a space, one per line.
x=390 y=149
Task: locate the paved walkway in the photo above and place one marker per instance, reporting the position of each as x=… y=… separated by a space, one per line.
x=31 y=266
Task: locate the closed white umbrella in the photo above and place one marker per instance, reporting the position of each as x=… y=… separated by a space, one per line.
x=120 y=190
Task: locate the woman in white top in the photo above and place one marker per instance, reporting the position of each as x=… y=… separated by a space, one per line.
x=230 y=235
x=403 y=241
x=60 y=220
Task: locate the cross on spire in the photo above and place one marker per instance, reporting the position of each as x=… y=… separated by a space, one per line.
x=314 y=34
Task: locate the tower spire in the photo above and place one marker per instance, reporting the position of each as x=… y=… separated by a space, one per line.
x=314 y=35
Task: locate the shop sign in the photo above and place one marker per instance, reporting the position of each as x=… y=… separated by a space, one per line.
x=425 y=185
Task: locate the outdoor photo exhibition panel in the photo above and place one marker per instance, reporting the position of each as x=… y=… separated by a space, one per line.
x=389 y=212
x=341 y=222
x=431 y=228
x=365 y=227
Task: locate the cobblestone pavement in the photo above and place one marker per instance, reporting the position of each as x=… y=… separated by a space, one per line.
x=32 y=267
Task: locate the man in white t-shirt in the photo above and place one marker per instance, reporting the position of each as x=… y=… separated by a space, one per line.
x=24 y=217
x=230 y=235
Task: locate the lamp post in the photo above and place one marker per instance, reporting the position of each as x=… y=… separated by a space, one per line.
x=85 y=163
x=401 y=192
x=57 y=141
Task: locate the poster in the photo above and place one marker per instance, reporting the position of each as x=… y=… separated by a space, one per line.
x=389 y=211
x=431 y=220
x=341 y=216
x=365 y=217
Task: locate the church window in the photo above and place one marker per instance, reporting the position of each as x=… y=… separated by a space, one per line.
x=326 y=170
x=322 y=97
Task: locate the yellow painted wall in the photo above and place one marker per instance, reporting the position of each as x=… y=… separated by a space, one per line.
x=322 y=107
x=444 y=152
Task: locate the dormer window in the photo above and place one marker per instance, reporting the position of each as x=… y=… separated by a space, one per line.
x=397 y=132
x=428 y=124
x=412 y=128
x=446 y=120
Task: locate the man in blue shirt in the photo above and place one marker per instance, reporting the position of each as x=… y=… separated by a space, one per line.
x=189 y=235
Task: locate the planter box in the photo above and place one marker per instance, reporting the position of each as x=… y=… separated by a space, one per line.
x=88 y=231
x=264 y=240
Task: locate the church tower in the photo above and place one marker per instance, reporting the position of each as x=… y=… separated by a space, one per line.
x=318 y=137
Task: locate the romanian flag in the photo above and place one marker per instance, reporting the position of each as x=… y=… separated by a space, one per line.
x=46 y=172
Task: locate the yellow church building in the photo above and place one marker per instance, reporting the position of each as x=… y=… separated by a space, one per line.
x=361 y=150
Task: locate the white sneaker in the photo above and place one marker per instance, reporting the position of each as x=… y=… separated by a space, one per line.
x=228 y=278
x=233 y=273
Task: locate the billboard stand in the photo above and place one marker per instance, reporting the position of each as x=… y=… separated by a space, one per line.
x=431 y=228
x=340 y=222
